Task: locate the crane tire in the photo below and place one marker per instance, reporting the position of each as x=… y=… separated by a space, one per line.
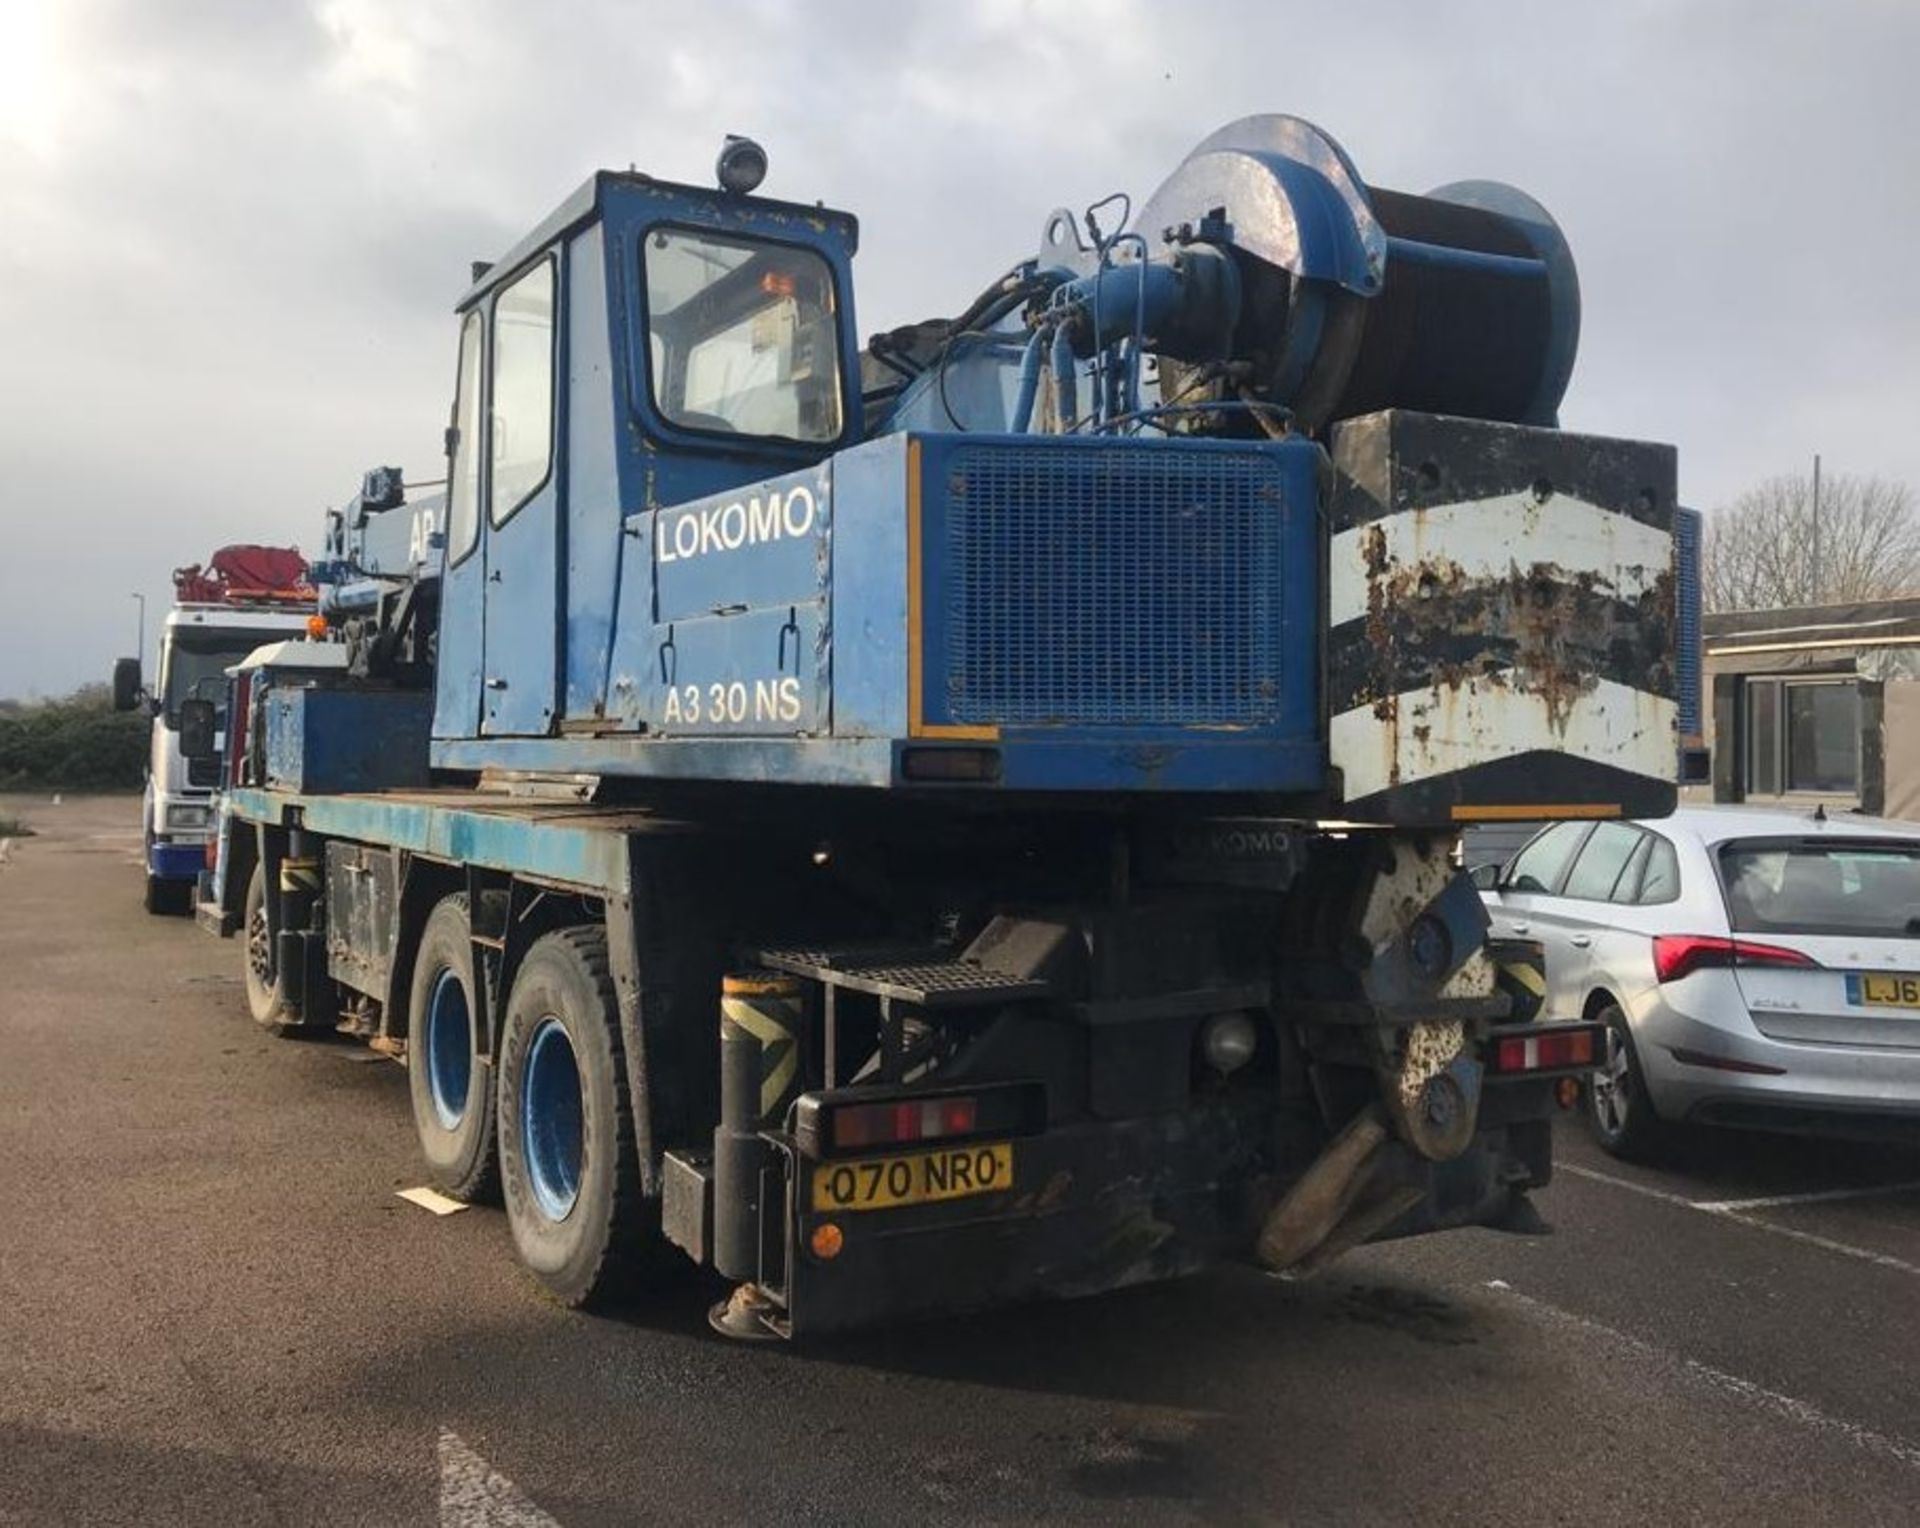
x=569 y=1163
x=448 y=1076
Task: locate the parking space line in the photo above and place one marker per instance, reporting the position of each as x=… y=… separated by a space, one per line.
x=1722 y=1210
x=1791 y=1408
x=1628 y=1184
x=1819 y=1196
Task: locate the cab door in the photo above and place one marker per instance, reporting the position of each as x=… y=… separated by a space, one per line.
x=520 y=665
x=456 y=678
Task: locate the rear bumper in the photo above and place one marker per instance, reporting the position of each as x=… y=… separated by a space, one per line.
x=1803 y=1081
x=1096 y=1207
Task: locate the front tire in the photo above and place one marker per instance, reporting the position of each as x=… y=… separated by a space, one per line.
x=569 y=1167
x=164 y=898
x=264 y=992
x=1620 y=1115
x=449 y=1080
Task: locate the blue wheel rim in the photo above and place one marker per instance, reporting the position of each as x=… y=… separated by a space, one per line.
x=551 y=1133
x=449 y=1050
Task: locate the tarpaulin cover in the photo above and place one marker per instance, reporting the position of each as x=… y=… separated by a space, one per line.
x=244 y=572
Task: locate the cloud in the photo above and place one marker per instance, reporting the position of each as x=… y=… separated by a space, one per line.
x=235 y=229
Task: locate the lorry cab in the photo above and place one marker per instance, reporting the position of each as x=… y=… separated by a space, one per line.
x=247 y=597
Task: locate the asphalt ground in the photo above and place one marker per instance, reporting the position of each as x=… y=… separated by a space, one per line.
x=214 y=1309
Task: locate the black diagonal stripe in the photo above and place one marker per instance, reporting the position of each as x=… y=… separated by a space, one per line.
x=1395 y=462
x=1563 y=635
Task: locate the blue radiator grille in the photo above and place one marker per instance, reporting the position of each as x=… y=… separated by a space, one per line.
x=1092 y=585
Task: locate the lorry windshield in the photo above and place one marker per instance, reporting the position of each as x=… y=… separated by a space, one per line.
x=194 y=667
x=741 y=337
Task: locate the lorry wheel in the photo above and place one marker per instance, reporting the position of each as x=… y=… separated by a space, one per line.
x=451 y=1084
x=569 y=1168
x=1619 y=1113
x=264 y=1002
x=165 y=898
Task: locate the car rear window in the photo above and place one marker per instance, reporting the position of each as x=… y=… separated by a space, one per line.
x=1827 y=887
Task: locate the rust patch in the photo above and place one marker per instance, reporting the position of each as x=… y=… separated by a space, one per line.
x=1541 y=629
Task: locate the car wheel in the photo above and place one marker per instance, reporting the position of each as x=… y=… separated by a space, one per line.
x=1619 y=1112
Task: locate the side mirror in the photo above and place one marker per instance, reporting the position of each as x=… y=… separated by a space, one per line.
x=197 y=729
x=1485 y=877
x=126 y=684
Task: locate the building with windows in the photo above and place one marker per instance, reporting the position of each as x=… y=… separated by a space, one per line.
x=1816 y=705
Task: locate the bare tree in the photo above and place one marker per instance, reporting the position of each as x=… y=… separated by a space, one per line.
x=1760 y=549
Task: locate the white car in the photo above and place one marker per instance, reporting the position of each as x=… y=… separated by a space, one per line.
x=1756 y=967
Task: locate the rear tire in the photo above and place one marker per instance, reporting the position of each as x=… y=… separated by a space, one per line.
x=1619 y=1114
x=264 y=999
x=449 y=1080
x=569 y=1167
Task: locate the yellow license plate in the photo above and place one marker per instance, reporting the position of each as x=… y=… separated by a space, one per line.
x=882 y=1183
x=1880 y=989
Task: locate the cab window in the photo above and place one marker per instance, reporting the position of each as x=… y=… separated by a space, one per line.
x=1538 y=867
x=522 y=391
x=741 y=336
x=463 y=486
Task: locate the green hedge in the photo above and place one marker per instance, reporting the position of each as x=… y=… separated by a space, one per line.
x=78 y=744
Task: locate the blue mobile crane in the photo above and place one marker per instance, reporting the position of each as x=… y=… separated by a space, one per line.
x=972 y=817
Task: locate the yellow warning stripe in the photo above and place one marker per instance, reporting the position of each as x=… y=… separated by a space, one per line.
x=1526 y=976
x=769 y=1032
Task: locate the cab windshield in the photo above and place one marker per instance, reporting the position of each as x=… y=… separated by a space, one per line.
x=741 y=337
x=194 y=667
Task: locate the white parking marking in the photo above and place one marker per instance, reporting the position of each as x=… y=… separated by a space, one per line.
x=473 y=1494
x=1791 y=1408
x=1722 y=1211
x=1821 y=1196
x=1646 y=1189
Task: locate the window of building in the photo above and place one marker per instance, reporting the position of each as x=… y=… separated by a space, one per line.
x=1803 y=735
x=742 y=337
x=522 y=391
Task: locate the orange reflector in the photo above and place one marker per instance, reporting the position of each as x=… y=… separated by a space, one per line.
x=826 y=1241
x=317 y=627
x=1566 y=1092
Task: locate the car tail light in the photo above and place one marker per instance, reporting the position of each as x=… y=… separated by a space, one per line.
x=1555 y=1048
x=858 y=1126
x=1678 y=955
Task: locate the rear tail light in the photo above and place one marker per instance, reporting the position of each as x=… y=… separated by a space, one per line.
x=1678 y=955
x=849 y=1121
x=859 y=1126
x=1556 y=1048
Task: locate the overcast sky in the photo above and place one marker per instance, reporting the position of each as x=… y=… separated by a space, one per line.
x=231 y=231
